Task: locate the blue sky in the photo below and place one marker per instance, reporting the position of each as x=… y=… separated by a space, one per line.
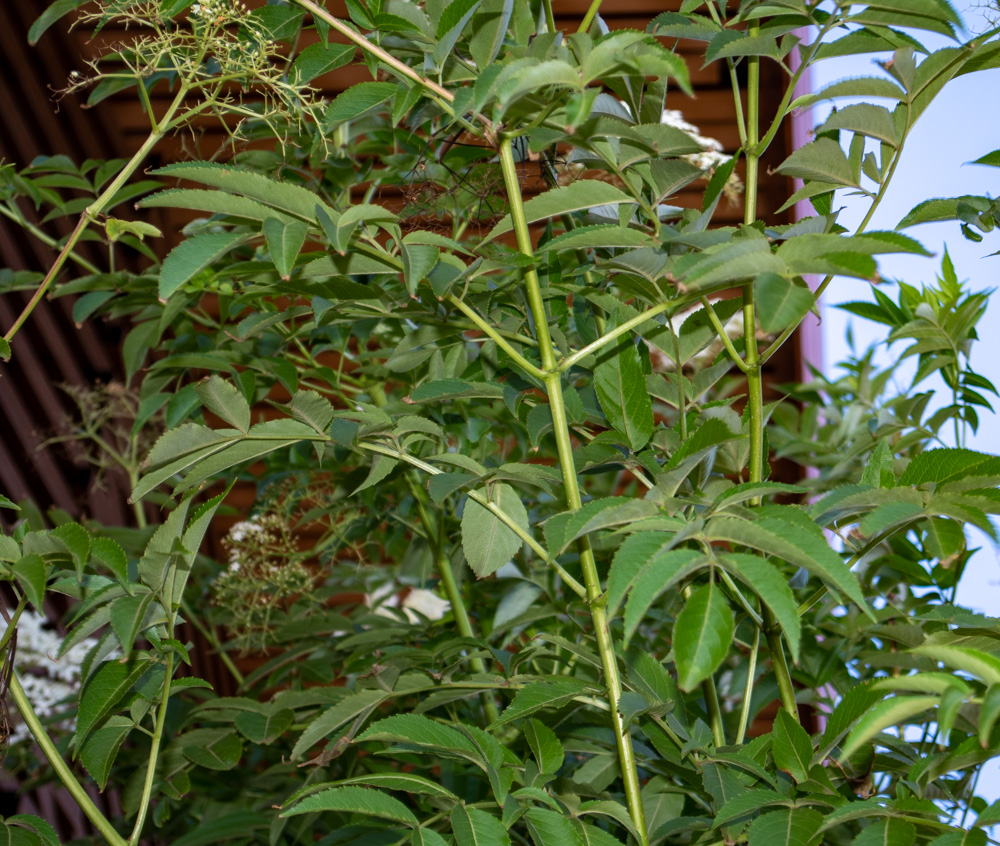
x=960 y=126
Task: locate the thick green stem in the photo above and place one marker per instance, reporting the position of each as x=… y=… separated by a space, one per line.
x=588 y=18
x=711 y=694
x=98 y=207
x=453 y=592
x=154 y=755
x=564 y=447
x=755 y=389
x=59 y=766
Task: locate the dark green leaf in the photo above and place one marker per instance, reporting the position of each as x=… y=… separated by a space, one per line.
x=703 y=633
x=357 y=100
x=621 y=389
x=102 y=693
x=355 y=800
x=99 y=752
x=780 y=302
x=473 y=827
x=791 y=747
x=224 y=400
x=284 y=242
x=192 y=256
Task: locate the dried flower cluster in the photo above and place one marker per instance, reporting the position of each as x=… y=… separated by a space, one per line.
x=266 y=572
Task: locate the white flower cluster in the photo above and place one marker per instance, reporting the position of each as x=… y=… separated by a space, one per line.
x=712 y=155
x=47 y=680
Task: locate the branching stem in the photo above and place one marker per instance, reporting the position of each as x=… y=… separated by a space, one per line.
x=564 y=447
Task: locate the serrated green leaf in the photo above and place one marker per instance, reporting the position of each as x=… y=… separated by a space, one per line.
x=657 y=574
x=264 y=728
x=975 y=662
x=864 y=119
x=313 y=409
x=822 y=160
x=538 y=696
x=949 y=465
x=219 y=750
x=31 y=574
x=362 y=702
x=406 y=782
x=772 y=588
x=99 y=752
x=887 y=832
x=128 y=618
x=356 y=101
x=284 y=242
x=780 y=302
x=193 y=255
x=102 y=692
x=545 y=746
x=703 y=633
x=879 y=471
x=487 y=541
x=890 y=712
x=791 y=747
x=550 y=828
x=473 y=827
x=318 y=59
x=785 y=827
x=807 y=548
x=224 y=400
x=621 y=390
x=744 y=805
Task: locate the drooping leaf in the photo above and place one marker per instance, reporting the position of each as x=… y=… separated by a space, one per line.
x=773 y=589
x=362 y=702
x=821 y=160
x=890 y=712
x=806 y=547
x=99 y=752
x=284 y=242
x=550 y=828
x=621 y=390
x=487 y=541
x=539 y=696
x=473 y=826
x=791 y=747
x=658 y=574
x=101 y=694
x=780 y=302
x=224 y=400
x=891 y=831
x=703 y=633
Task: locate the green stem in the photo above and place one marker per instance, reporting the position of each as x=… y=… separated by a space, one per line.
x=500 y=341
x=720 y=329
x=453 y=592
x=98 y=207
x=772 y=634
x=62 y=771
x=711 y=694
x=564 y=447
x=12 y=622
x=213 y=641
x=154 y=754
x=588 y=18
x=755 y=390
x=550 y=18
x=48 y=240
x=741 y=731
x=608 y=337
